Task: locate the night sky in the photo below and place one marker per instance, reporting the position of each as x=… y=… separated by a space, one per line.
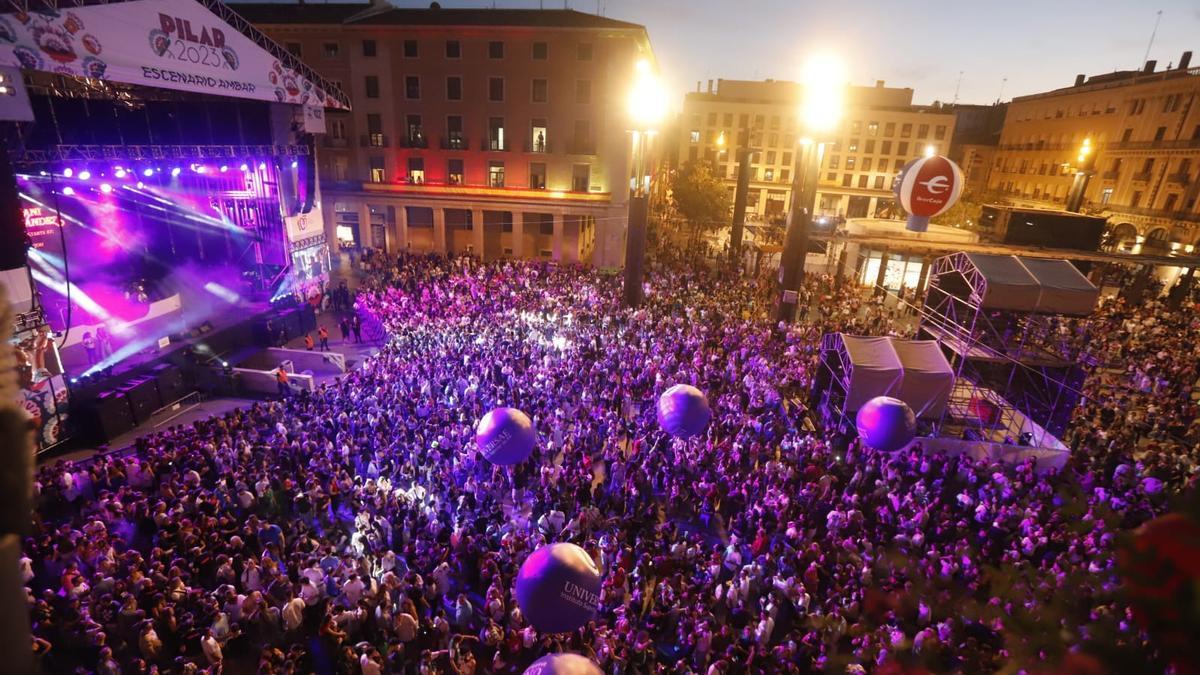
x=1038 y=45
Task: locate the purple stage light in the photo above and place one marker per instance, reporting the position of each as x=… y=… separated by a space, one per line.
x=68 y=172
x=140 y=185
x=105 y=188
x=68 y=191
x=175 y=172
x=245 y=167
x=224 y=168
x=147 y=172
x=85 y=174
x=262 y=166
x=120 y=173
x=43 y=173
x=295 y=163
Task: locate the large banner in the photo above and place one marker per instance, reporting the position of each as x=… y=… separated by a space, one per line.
x=172 y=44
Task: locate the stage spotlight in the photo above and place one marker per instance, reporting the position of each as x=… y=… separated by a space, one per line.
x=74 y=380
x=202 y=169
x=175 y=172
x=262 y=166
x=68 y=191
x=43 y=173
x=147 y=172
x=140 y=185
x=295 y=164
x=85 y=174
x=68 y=172
x=105 y=188
x=224 y=168
x=224 y=364
x=245 y=167
x=120 y=173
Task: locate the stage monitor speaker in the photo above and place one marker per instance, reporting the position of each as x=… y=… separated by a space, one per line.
x=143 y=397
x=113 y=414
x=171 y=386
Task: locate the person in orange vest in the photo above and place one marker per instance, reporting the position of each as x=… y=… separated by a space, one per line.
x=308 y=342
x=281 y=378
x=323 y=333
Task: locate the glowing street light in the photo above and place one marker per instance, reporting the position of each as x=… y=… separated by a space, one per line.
x=1085 y=160
x=821 y=109
x=647 y=106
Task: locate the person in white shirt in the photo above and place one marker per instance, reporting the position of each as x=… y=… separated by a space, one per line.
x=293 y=614
x=212 y=648
x=352 y=591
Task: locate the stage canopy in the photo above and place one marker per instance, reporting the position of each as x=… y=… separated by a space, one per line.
x=914 y=371
x=188 y=45
x=1016 y=283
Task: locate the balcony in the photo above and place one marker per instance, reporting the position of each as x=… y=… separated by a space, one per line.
x=373 y=141
x=1141 y=177
x=538 y=148
x=454 y=143
x=414 y=141
x=1153 y=213
x=331 y=142
x=1182 y=144
x=494 y=145
x=581 y=148
x=1178 y=178
x=1111 y=175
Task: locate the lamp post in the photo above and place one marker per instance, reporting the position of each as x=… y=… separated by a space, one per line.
x=1083 y=174
x=646 y=108
x=744 y=153
x=820 y=112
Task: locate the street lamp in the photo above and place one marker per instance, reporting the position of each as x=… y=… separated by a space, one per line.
x=647 y=105
x=1084 y=162
x=820 y=113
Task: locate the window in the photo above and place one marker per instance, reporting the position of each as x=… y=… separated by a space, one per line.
x=1126 y=135
x=873 y=129
x=293 y=49
x=1106 y=195
x=906 y=131
x=375 y=131
x=496 y=174
x=1169 y=205
x=759 y=121
x=834 y=160
x=727 y=119
x=785 y=173
x=541 y=90
x=940 y=132
x=410 y=49
x=846 y=178
x=378 y=170
x=787 y=159
x=712 y=119
x=923 y=131
x=866 y=164
x=694 y=136
x=337 y=129
x=372 y=86
x=582 y=137
x=878 y=182
x=416 y=170
x=454 y=88
x=537 y=176
x=883 y=165
x=862 y=181
x=412 y=87
x=496 y=51
x=1160 y=133
x=414 y=130
x=454 y=133
x=885 y=148
x=769 y=174
x=583 y=51
x=454 y=171
x=869 y=147
x=583 y=92
x=581 y=176
x=537 y=136
x=1137 y=199
x=495 y=88
x=540 y=51
x=889 y=129
x=852 y=146
x=856 y=127
x=496 y=134
x=453 y=49
x=849 y=163
x=770 y=157
x=330 y=49
x=902 y=149
x=368 y=47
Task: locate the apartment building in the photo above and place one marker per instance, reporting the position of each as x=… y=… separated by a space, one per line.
x=1144 y=128
x=881 y=130
x=497 y=132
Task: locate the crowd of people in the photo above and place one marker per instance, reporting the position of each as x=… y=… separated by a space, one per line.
x=356 y=530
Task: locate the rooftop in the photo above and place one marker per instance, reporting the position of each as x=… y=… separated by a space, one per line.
x=382 y=14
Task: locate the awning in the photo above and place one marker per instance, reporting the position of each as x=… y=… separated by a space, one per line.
x=875 y=370
x=914 y=371
x=1024 y=284
x=927 y=380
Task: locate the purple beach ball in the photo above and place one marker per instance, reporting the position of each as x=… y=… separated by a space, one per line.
x=505 y=436
x=885 y=423
x=563 y=664
x=558 y=588
x=683 y=411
